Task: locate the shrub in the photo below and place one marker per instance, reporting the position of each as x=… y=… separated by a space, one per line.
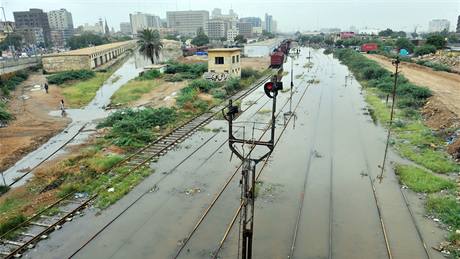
x=249 y=72
x=203 y=85
x=149 y=75
x=196 y=69
x=9 y=84
x=232 y=85
x=133 y=128
x=5 y=116
x=424 y=50
x=66 y=76
x=173 y=78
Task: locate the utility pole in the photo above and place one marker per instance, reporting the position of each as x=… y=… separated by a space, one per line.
x=248 y=174
x=396 y=64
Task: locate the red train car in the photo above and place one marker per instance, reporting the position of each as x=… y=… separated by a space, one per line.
x=276 y=59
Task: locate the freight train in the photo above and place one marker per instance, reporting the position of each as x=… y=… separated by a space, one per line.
x=278 y=56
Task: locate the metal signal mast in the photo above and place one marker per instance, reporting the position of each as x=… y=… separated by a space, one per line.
x=248 y=174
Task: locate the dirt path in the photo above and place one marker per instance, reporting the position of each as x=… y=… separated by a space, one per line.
x=445 y=86
x=32 y=126
x=162 y=96
x=255 y=63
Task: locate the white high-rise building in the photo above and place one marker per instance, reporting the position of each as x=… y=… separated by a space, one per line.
x=438 y=25
x=60 y=19
x=61 y=25
x=140 y=21
x=268 y=23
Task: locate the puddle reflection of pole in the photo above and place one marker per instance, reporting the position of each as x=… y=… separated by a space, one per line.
x=396 y=64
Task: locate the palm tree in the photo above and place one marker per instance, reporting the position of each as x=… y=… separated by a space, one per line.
x=150 y=44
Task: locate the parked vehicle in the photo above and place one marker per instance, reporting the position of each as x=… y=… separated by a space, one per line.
x=368 y=47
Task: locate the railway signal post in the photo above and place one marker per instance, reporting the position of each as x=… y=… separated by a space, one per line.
x=248 y=174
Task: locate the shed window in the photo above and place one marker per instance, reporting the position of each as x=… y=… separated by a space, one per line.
x=233 y=59
x=238 y=59
x=219 y=60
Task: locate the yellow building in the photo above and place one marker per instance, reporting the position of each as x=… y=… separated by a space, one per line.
x=225 y=62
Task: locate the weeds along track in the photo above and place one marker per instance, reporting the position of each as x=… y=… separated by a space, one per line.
x=38 y=227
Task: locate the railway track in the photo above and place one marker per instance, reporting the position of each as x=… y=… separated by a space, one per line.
x=81 y=129
x=259 y=173
x=185 y=241
x=71 y=205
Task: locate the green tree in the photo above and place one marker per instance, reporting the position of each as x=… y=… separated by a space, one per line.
x=150 y=44
x=268 y=34
x=404 y=43
x=240 y=39
x=12 y=39
x=424 y=49
x=201 y=38
x=436 y=40
x=86 y=40
x=386 y=33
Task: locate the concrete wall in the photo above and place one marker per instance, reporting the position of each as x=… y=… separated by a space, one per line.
x=65 y=63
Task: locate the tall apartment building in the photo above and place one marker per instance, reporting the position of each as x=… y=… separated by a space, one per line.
x=245 y=29
x=61 y=26
x=60 y=19
x=254 y=21
x=438 y=25
x=216 y=29
x=125 y=28
x=187 y=22
x=268 y=23
x=140 y=21
x=33 y=25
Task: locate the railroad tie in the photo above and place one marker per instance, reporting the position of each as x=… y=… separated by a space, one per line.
x=15 y=243
x=40 y=224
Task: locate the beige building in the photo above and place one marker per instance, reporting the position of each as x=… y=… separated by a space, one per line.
x=225 y=61
x=86 y=58
x=187 y=23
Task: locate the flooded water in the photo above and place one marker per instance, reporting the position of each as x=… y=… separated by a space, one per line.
x=316 y=186
x=83 y=121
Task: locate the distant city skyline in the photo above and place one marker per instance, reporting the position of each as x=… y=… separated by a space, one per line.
x=291 y=15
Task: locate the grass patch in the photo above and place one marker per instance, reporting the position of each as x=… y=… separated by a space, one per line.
x=81 y=93
x=66 y=76
x=133 y=91
x=446 y=208
x=121 y=186
x=420 y=180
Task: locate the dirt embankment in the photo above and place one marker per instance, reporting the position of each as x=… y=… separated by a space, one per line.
x=444 y=85
x=442 y=111
x=161 y=96
x=32 y=125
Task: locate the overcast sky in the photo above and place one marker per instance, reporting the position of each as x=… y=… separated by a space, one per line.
x=290 y=14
